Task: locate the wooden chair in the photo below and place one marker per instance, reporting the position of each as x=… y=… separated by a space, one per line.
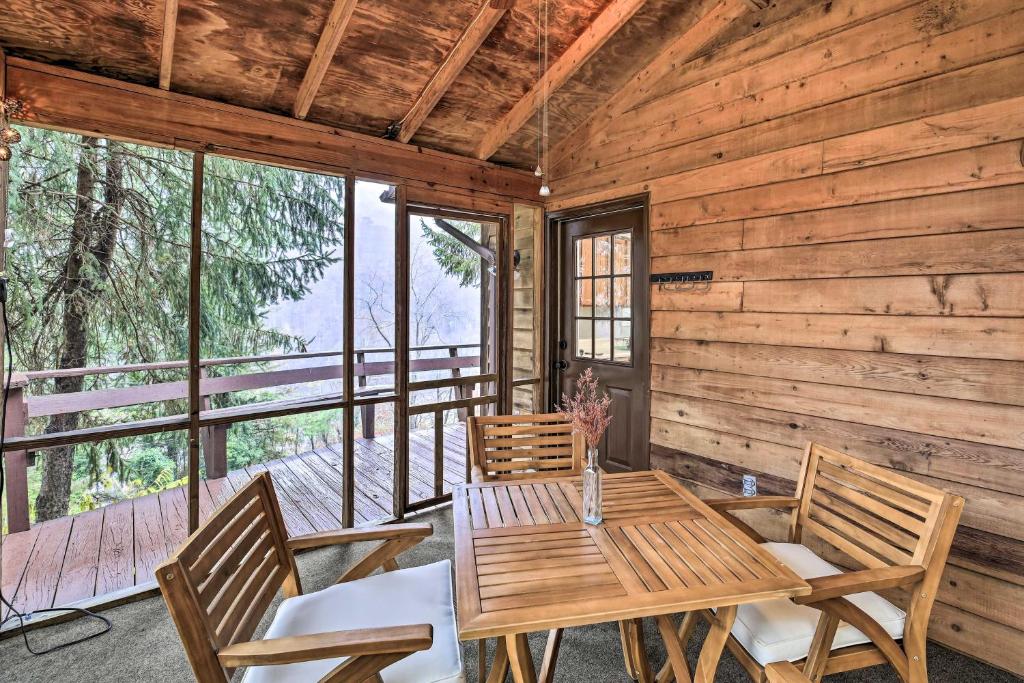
x=784 y=672
x=522 y=447
x=390 y=627
x=895 y=529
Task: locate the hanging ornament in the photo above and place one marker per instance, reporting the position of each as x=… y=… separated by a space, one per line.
x=539 y=172
x=545 y=191
x=5 y=153
x=9 y=136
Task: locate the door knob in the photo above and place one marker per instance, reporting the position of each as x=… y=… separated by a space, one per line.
x=561 y=365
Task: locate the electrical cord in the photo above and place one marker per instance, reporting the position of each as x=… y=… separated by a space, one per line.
x=14 y=613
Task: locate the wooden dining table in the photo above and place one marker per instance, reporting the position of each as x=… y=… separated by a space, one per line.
x=525 y=562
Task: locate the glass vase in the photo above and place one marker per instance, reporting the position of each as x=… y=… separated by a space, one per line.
x=592 y=489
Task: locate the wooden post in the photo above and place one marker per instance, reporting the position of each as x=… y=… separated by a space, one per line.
x=401 y=479
x=439 y=453
x=459 y=390
x=194 y=370
x=348 y=441
x=214 y=440
x=17 y=461
x=368 y=413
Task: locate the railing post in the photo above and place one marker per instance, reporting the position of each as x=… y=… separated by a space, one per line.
x=17 y=461
x=215 y=440
x=367 y=413
x=460 y=390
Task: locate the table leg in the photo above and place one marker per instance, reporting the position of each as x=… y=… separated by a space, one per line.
x=721 y=627
x=627 y=648
x=676 y=668
x=520 y=658
x=547 y=667
x=634 y=637
x=499 y=667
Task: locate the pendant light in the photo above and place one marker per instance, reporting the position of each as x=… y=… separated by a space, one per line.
x=542 y=113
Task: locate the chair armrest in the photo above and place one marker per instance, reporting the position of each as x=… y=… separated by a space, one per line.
x=357 y=642
x=476 y=475
x=385 y=532
x=752 y=503
x=838 y=585
x=785 y=672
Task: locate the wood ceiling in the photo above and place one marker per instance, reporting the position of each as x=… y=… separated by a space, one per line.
x=364 y=65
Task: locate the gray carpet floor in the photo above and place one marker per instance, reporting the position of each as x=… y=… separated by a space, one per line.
x=144 y=646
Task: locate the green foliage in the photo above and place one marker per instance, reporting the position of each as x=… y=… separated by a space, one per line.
x=455 y=258
x=268 y=235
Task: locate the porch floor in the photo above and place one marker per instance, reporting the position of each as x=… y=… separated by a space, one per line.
x=116 y=547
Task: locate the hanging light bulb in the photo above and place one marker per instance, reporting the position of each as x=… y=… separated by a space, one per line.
x=5 y=153
x=539 y=172
x=9 y=136
x=545 y=191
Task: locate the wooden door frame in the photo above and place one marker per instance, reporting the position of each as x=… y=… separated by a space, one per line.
x=502 y=301
x=553 y=296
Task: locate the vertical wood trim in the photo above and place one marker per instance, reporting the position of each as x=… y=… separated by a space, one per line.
x=323 y=55
x=4 y=182
x=540 y=366
x=195 y=272
x=574 y=57
x=348 y=464
x=170 y=27
x=503 y=314
x=463 y=51
x=401 y=483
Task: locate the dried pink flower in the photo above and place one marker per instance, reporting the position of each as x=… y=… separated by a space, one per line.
x=587 y=411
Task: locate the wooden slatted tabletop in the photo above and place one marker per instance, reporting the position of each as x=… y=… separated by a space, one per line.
x=526 y=562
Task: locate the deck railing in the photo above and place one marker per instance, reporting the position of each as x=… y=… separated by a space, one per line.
x=22 y=406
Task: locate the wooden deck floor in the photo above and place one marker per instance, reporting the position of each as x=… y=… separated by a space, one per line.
x=112 y=549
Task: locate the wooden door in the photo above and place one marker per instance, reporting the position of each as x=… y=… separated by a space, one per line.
x=603 y=323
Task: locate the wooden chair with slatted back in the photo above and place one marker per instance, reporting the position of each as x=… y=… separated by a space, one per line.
x=523 y=447
x=894 y=531
x=222 y=580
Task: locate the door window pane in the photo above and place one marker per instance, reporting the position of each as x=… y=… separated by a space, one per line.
x=585 y=297
x=584 y=338
x=602 y=255
x=603 y=291
x=584 y=257
x=623 y=341
x=602 y=297
x=603 y=339
x=623 y=256
x=623 y=300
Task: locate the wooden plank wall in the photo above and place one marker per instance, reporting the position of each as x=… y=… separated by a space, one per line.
x=527 y=308
x=853 y=173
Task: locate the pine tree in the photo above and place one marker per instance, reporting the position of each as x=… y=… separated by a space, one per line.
x=100 y=271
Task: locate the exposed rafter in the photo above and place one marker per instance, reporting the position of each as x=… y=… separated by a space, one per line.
x=467 y=45
x=167 y=42
x=683 y=48
x=334 y=30
x=596 y=35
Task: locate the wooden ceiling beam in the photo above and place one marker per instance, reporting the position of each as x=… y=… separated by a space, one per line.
x=683 y=48
x=596 y=35
x=334 y=30
x=167 y=42
x=466 y=46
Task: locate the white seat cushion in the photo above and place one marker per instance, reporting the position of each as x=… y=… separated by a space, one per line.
x=418 y=595
x=780 y=630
